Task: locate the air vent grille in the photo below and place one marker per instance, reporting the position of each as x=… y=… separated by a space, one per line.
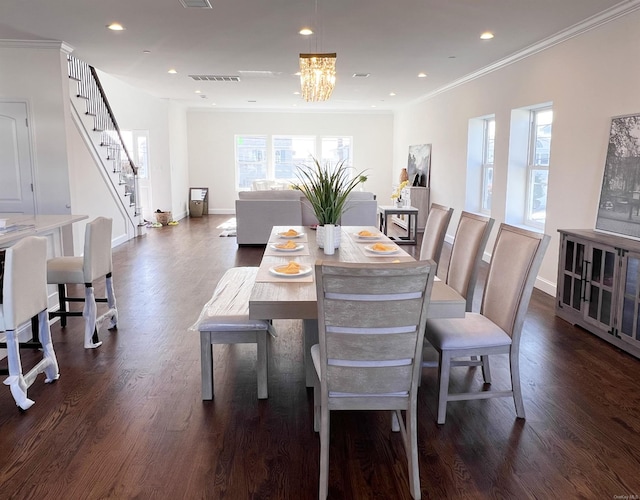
x=196 y=4
x=215 y=78
x=361 y=75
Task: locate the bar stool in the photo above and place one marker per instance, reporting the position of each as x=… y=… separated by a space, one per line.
x=24 y=296
x=94 y=264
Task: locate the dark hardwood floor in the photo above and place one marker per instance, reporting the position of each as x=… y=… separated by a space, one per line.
x=126 y=420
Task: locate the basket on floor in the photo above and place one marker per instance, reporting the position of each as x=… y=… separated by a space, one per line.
x=163 y=218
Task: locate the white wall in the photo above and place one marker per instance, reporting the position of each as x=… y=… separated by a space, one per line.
x=134 y=109
x=179 y=160
x=33 y=72
x=211 y=146
x=589 y=79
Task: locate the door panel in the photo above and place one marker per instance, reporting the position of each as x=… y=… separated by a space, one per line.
x=16 y=191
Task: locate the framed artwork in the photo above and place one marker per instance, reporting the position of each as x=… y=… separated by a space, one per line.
x=419 y=165
x=619 y=207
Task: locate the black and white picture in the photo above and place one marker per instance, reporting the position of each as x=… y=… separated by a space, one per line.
x=619 y=208
x=419 y=164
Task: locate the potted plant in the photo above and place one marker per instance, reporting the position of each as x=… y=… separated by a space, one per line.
x=327 y=189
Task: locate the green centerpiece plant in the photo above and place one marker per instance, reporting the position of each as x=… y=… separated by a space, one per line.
x=326 y=188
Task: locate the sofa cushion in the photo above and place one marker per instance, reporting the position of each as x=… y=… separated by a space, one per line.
x=283 y=194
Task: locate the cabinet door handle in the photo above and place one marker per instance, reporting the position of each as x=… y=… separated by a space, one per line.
x=585 y=279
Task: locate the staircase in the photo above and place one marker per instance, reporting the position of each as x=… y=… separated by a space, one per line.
x=96 y=122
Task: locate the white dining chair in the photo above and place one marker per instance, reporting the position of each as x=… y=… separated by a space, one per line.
x=24 y=296
x=497 y=328
x=467 y=250
x=95 y=263
x=371 y=319
x=435 y=231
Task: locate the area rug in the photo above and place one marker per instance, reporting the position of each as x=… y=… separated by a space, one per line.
x=229 y=227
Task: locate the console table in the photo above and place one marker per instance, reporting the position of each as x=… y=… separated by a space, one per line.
x=412 y=222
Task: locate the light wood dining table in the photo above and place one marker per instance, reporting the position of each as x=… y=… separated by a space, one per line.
x=282 y=297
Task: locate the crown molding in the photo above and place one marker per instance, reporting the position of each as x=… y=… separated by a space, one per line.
x=589 y=24
x=37 y=44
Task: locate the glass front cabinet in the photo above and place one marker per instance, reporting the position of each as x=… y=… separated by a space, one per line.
x=599 y=286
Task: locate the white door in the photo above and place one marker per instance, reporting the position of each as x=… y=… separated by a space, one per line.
x=16 y=178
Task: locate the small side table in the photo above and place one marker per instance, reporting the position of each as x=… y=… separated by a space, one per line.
x=412 y=222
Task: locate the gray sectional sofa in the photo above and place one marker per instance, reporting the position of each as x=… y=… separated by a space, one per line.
x=258 y=211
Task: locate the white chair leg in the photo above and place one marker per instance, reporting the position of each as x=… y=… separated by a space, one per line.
x=89 y=313
x=395 y=424
x=486 y=370
x=111 y=302
x=443 y=385
x=324 y=453
x=15 y=380
x=412 y=452
x=515 y=385
x=51 y=370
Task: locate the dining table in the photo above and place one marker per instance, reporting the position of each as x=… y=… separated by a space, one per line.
x=277 y=294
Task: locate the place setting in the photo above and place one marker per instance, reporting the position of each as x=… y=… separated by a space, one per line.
x=285 y=271
x=286 y=247
x=280 y=235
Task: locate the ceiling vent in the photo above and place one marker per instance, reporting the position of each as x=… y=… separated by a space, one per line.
x=196 y=4
x=214 y=78
x=361 y=75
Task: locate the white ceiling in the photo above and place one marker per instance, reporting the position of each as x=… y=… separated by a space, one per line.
x=259 y=41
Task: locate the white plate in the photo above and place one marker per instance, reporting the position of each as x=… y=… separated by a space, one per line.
x=374 y=237
x=298 y=247
x=304 y=270
x=388 y=252
x=283 y=235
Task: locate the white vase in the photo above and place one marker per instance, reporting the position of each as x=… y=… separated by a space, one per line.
x=320 y=236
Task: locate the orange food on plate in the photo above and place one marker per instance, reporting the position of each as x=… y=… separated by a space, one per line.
x=291 y=268
x=289 y=245
x=380 y=247
x=364 y=232
x=290 y=232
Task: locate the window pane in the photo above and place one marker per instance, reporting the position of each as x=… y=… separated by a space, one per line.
x=336 y=149
x=487 y=186
x=290 y=151
x=251 y=159
x=542 y=137
x=538 y=195
x=489 y=141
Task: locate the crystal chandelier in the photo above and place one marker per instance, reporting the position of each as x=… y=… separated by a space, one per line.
x=317 y=76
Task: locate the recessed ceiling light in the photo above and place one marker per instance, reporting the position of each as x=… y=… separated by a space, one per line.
x=422 y=75
x=487 y=35
x=306 y=31
x=296 y=93
x=115 y=27
x=213 y=103
x=373 y=105
x=172 y=71
x=198 y=92
x=392 y=94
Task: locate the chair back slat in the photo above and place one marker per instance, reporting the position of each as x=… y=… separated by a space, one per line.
x=466 y=254
x=516 y=258
x=435 y=231
x=371 y=319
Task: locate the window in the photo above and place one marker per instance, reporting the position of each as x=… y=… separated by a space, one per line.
x=251 y=160
x=275 y=158
x=487 y=164
x=290 y=151
x=538 y=166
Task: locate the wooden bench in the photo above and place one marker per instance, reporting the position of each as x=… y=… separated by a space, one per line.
x=225 y=320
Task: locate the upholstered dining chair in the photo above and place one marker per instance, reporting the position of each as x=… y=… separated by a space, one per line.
x=24 y=296
x=94 y=264
x=435 y=231
x=497 y=328
x=371 y=320
x=467 y=250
